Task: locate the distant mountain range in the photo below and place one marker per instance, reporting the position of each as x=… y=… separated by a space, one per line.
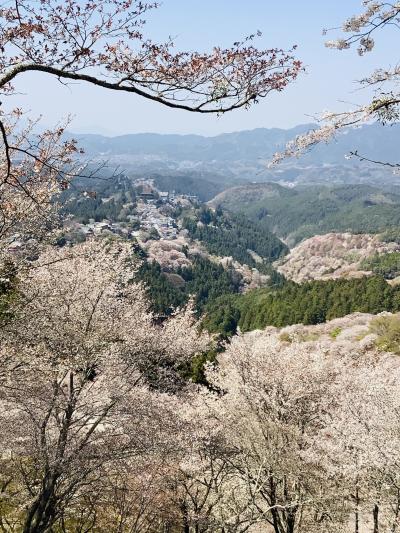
x=243 y=156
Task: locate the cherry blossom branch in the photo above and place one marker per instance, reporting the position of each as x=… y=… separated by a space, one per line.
x=385 y=104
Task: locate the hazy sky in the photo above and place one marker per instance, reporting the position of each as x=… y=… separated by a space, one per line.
x=200 y=24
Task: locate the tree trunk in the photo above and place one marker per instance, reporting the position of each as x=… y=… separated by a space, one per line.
x=375 y=513
x=290 y=521
x=356 y=513
x=185 y=521
x=274 y=511
x=42 y=512
x=396 y=514
x=290 y=513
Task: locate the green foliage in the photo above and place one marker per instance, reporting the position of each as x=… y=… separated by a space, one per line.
x=234 y=236
x=285 y=337
x=106 y=200
x=196 y=371
x=391 y=235
x=153 y=234
x=222 y=316
x=386 y=265
x=276 y=279
x=335 y=332
x=309 y=303
x=303 y=212
x=206 y=216
x=387 y=329
x=164 y=296
x=205 y=280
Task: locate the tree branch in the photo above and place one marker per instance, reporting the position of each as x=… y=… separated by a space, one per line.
x=117 y=87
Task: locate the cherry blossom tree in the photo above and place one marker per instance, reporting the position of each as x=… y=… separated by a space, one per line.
x=102 y=43
x=275 y=401
x=84 y=382
x=313 y=432
x=297 y=433
x=362 y=443
x=200 y=480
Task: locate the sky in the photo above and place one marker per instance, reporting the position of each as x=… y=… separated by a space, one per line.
x=328 y=84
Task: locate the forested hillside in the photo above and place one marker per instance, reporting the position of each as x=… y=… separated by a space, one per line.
x=386 y=265
x=99 y=198
x=299 y=213
x=204 y=280
x=308 y=303
x=204 y=185
x=234 y=235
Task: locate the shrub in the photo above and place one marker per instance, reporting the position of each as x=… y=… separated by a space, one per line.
x=285 y=337
x=335 y=332
x=387 y=329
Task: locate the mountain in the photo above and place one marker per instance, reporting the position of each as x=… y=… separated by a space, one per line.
x=244 y=145
x=298 y=213
x=250 y=145
x=243 y=155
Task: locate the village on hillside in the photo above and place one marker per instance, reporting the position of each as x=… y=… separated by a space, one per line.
x=146 y=217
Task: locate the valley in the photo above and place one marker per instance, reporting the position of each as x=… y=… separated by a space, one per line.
x=199 y=333
x=254 y=255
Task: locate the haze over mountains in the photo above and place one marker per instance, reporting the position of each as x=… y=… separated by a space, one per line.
x=243 y=156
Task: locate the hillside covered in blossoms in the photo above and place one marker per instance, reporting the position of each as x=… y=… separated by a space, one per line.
x=199 y=333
